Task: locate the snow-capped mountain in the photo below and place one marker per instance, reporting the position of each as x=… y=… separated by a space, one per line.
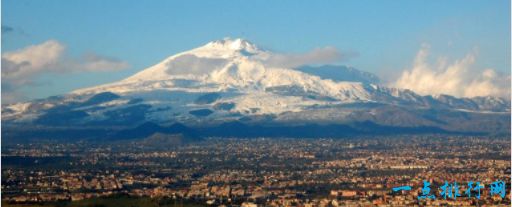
x=228 y=65
x=234 y=80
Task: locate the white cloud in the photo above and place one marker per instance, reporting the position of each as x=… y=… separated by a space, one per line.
x=326 y=55
x=191 y=64
x=19 y=68
x=36 y=57
x=456 y=78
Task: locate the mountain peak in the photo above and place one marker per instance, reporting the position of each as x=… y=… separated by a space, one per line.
x=232 y=44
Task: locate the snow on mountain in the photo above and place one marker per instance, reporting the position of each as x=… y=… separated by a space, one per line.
x=226 y=65
x=340 y=73
x=229 y=79
x=234 y=65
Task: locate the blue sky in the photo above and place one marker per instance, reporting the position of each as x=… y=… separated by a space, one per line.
x=387 y=35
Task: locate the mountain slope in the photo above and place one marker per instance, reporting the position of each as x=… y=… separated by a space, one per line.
x=230 y=80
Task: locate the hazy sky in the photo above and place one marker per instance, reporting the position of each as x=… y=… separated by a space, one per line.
x=105 y=41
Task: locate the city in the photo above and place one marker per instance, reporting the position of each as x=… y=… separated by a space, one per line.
x=260 y=171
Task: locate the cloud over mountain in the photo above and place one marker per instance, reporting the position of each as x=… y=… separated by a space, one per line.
x=19 y=68
x=456 y=78
x=325 y=55
x=191 y=64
